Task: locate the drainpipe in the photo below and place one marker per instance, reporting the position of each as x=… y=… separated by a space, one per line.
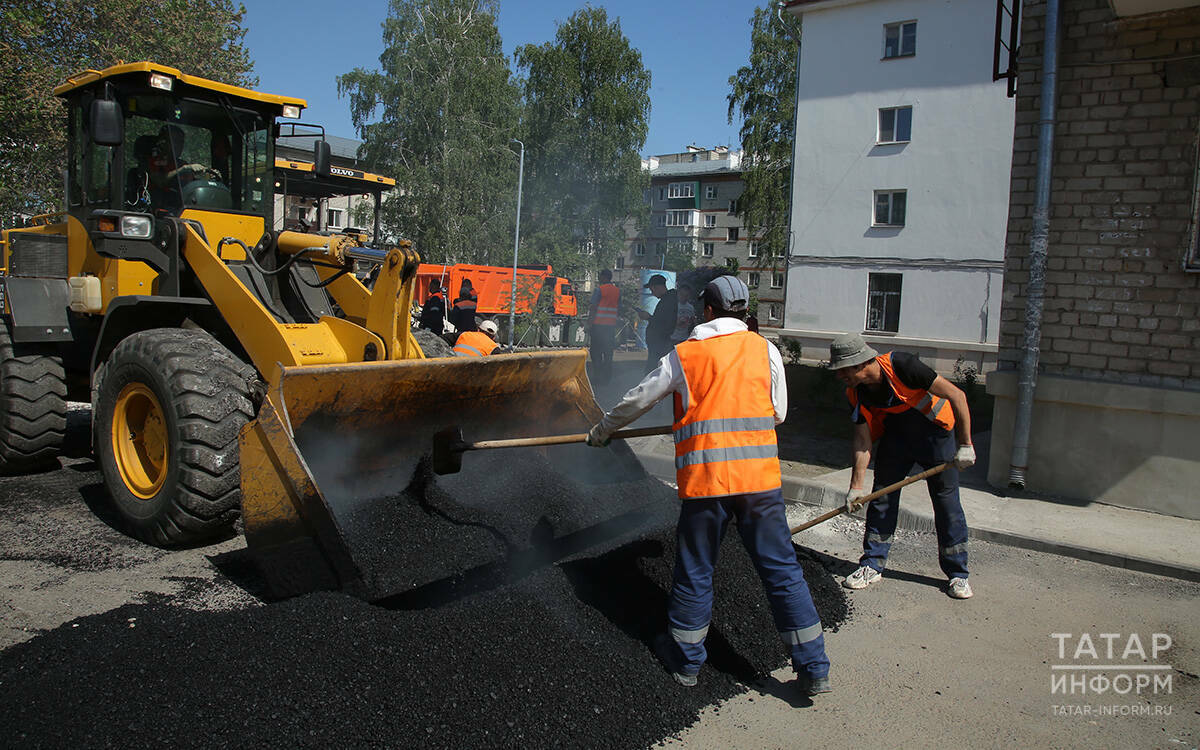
x=1035 y=293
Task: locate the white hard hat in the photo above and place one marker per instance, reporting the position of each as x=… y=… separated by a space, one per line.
x=489 y=326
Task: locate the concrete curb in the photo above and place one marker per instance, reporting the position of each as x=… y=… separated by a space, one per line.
x=814 y=493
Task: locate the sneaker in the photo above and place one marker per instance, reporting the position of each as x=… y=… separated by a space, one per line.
x=960 y=589
x=863 y=577
x=813 y=685
x=687 y=680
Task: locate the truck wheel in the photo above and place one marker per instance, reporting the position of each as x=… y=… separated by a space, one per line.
x=33 y=405
x=166 y=415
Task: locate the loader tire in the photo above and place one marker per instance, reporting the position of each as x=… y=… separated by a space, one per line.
x=33 y=405
x=166 y=415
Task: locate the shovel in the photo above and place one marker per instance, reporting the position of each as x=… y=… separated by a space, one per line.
x=873 y=496
x=448 y=444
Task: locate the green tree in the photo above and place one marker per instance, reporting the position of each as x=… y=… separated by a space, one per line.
x=587 y=103
x=763 y=95
x=44 y=41
x=446 y=108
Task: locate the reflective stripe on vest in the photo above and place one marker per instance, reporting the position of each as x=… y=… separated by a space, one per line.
x=937 y=411
x=474 y=344
x=606 y=308
x=725 y=433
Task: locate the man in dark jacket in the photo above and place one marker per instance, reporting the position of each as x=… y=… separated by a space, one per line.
x=662 y=322
x=433 y=313
x=463 y=314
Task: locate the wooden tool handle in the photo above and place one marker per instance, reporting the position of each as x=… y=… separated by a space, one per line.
x=579 y=437
x=873 y=496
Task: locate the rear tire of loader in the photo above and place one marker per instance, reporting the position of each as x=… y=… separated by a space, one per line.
x=33 y=405
x=167 y=409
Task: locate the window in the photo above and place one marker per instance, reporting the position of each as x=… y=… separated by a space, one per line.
x=732 y=207
x=710 y=192
x=753 y=250
x=773 y=311
x=679 y=218
x=889 y=208
x=708 y=249
x=777 y=280
x=681 y=190
x=620 y=261
x=731 y=263
x=731 y=234
x=660 y=220
x=883 y=302
x=895 y=125
x=752 y=279
x=639 y=249
x=662 y=194
x=681 y=247
x=334 y=218
x=900 y=39
x=710 y=220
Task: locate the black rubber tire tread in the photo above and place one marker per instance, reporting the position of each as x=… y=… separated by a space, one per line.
x=33 y=405
x=208 y=396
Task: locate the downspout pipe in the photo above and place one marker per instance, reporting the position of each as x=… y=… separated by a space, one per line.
x=1036 y=289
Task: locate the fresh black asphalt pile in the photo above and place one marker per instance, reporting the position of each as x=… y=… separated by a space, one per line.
x=541 y=640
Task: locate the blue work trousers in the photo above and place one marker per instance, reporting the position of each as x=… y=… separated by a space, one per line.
x=764 y=530
x=909 y=438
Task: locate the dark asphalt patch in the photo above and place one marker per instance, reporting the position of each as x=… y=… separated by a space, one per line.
x=561 y=657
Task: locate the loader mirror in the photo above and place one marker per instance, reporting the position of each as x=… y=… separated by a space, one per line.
x=106 y=123
x=321 y=158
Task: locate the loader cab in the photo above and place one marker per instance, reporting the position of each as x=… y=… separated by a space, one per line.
x=146 y=139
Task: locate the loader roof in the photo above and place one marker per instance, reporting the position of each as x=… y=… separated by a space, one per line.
x=87 y=77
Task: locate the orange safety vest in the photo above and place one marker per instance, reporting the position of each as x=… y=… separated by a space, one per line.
x=725 y=433
x=474 y=344
x=606 y=309
x=939 y=412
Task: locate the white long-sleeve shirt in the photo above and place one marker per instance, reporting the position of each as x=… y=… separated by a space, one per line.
x=668 y=378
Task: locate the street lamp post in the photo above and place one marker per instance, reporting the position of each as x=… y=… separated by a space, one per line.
x=512 y=308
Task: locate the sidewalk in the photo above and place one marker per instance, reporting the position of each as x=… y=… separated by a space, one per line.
x=1133 y=539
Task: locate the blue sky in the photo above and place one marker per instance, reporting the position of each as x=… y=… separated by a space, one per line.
x=691 y=48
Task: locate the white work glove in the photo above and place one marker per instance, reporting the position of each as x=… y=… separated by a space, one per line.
x=964 y=458
x=597 y=437
x=852 y=496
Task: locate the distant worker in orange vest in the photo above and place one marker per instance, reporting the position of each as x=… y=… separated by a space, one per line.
x=433 y=312
x=463 y=314
x=730 y=392
x=606 y=302
x=477 y=343
x=915 y=414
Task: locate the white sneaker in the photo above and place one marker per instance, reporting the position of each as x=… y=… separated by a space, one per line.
x=960 y=589
x=863 y=577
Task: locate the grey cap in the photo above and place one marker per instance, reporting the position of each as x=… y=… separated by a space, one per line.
x=848 y=350
x=729 y=292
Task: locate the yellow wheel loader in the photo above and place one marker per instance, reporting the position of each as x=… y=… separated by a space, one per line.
x=231 y=368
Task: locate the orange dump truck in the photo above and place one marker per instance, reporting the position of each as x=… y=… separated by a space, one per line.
x=493 y=286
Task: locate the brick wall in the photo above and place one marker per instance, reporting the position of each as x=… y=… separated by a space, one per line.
x=1119 y=307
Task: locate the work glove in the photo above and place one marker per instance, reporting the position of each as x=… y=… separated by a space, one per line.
x=597 y=437
x=964 y=458
x=852 y=496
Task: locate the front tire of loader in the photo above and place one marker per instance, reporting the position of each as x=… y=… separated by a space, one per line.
x=33 y=405
x=167 y=409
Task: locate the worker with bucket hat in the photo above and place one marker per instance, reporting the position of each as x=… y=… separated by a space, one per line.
x=730 y=392
x=915 y=416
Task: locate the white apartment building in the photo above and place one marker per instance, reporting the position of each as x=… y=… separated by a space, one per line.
x=901 y=179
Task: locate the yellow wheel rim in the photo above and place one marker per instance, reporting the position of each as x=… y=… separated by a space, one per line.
x=139 y=440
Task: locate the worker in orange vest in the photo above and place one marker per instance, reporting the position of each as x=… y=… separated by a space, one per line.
x=730 y=392
x=916 y=416
x=606 y=302
x=462 y=315
x=477 y=343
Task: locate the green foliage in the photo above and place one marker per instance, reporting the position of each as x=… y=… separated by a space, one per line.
x=763 y=95
x=44 y=41
x=587 y=104
x=439 y=117
x=792 y=351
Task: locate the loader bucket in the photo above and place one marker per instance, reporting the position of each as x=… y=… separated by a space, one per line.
x=337 y=461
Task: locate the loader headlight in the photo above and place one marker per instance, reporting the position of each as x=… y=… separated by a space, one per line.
x=291 y=111
x=136 y=227
x=160 y=81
